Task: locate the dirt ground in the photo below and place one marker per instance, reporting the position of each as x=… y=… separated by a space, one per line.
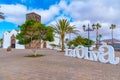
x=53 y=66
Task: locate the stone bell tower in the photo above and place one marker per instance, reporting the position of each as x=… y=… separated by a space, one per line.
x=33 y=16
x=37 y=18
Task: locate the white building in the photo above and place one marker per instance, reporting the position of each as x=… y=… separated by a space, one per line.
x=9 y=40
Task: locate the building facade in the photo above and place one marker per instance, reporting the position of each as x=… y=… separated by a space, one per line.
x=9 y=37
x=9 y=40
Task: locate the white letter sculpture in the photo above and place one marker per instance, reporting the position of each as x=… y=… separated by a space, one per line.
x=82 y=52
x=111 y=56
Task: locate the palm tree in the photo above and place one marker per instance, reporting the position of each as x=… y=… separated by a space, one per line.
x=99 y=36
x=72 y=30
x=1 y=15
x=113 y=26
x=97 y=26
x=63 y=27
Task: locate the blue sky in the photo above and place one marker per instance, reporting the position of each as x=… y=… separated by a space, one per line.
x=79 y=12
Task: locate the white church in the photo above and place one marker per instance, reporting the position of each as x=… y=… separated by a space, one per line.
x=9 y=37
x=9 y=40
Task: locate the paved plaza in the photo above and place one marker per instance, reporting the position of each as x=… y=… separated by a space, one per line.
x=53 y=66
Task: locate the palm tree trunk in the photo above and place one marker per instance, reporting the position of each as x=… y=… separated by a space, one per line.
x=62 y=37
x=97 y=38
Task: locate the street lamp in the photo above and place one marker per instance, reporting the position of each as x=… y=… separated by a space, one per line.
x=88 y=29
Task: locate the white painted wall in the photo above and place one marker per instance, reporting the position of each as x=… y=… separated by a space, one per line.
x=18 y=46
x=7 y=40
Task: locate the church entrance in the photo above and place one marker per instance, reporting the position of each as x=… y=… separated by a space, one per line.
x=13 y=41
x=44 y=44
x=12 y=45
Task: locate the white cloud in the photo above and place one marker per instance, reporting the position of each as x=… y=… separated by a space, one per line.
x=94 y=10
x=16 y=13
x=104 y=12
x=104 y=30
x=48 y=15
x=81 y=12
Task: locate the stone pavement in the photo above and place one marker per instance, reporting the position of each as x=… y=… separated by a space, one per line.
x=53 y=66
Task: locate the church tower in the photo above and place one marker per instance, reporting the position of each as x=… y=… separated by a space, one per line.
x=33 y=16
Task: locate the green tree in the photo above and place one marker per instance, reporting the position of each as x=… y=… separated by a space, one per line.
x=97 y=26
x=32 y=30
x=27 y=32
x=62 y=27
x=72 y=30
x=80 y=41
x=1 y=15
x=1 y=41
x=45 y=33
x=113 y=26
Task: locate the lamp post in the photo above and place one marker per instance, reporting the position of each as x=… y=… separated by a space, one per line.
x=88 y=29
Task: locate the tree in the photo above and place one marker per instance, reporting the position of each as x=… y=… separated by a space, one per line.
x=99 y=36
x=80 y=41
x=31 y=31
x=27 y=32
x=27 y=35
x=1 y=41
x=113 y=26
x=97 y=26
x=1 y=15
x=45 y=33
x=62 y=27
x=72 y=31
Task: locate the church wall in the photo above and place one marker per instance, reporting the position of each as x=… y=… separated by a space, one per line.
x=7 y=40
x=18 y=46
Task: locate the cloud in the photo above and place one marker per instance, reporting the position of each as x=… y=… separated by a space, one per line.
x=16 y=13
x=104 y=30
x=104 y=12
x=79 y=12
x=48 y=14
x=93 y=10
